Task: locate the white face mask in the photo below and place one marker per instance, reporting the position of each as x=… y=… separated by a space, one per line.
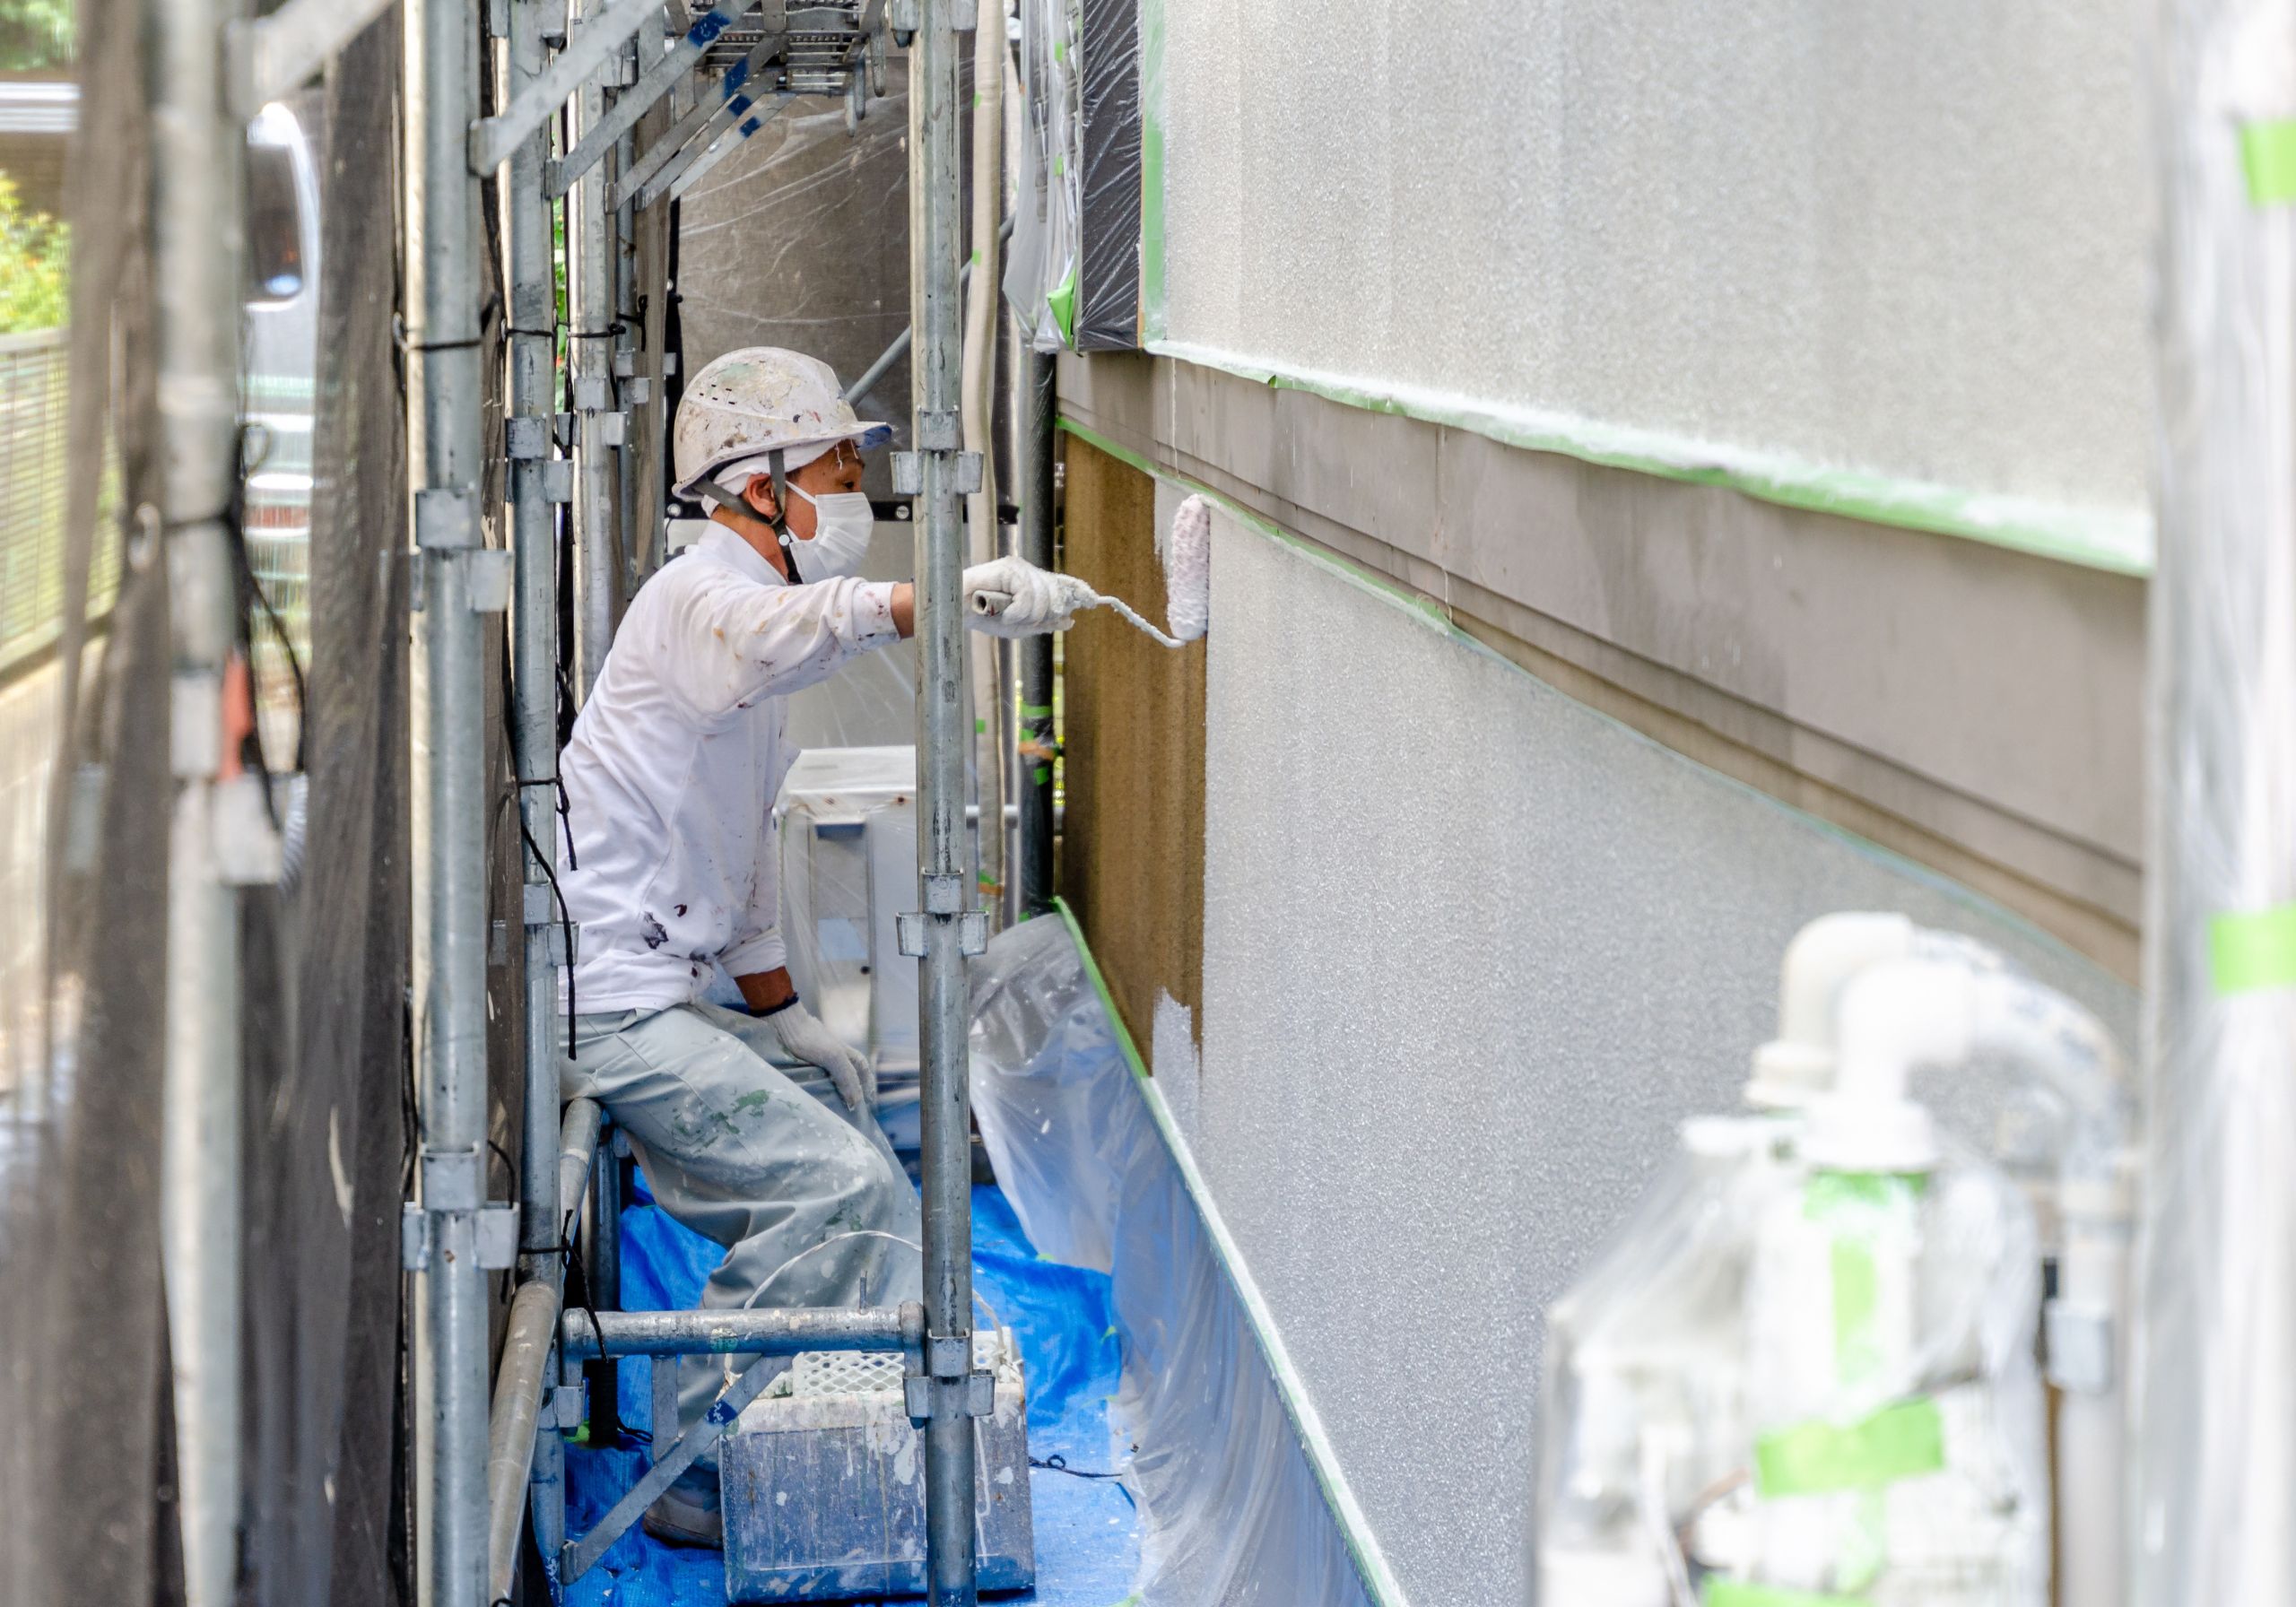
x=842 y=524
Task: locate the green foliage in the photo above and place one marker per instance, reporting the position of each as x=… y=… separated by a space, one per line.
x=35 y=265
x=35 y=34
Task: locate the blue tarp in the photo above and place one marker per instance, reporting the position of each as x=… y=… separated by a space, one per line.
x=1087 y=1534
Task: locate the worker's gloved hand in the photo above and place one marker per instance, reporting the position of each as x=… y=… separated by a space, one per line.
x=802 y=1033
x=1011 y=597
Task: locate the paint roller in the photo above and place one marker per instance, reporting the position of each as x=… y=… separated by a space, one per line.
x=1185 y=552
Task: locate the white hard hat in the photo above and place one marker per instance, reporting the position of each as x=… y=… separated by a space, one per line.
x=759 y=400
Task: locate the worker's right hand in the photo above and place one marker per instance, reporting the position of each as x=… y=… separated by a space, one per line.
x=802 y=1033
x=1011 y=597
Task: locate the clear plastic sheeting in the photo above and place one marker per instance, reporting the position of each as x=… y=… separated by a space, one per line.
x=1040 y=264
x=1789 y=1383
x=1237 y=1503
x=2214 y=1419
x=1073 y=278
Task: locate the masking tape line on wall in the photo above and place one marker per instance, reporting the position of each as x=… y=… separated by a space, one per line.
x=2102 y=538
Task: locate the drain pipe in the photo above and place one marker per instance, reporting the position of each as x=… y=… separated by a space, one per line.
x=1035 y=652
x=1903 y=1013
x=1033 y=414
x=197 y=161
x=944 y=1393
x=2216 y=1353
x=459 y=577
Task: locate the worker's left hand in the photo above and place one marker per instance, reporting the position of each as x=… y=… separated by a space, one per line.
x=802 y=1033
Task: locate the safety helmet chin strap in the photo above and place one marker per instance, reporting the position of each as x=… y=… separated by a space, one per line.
x=780 y=521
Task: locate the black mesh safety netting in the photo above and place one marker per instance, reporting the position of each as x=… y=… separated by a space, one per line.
x=86 y=1464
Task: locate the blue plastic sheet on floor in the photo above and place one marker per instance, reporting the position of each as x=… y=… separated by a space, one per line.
x=1087 y=1534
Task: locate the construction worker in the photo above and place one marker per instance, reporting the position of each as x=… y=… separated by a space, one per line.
x=755 y=1126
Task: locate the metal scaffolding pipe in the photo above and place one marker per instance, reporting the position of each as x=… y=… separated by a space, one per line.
x=530 y=353
x=526 y=1345
x=578 y=1146
x=589 y=362
x=780 y=1331
x=444 y=449
x=936 y=192
x=196 y=163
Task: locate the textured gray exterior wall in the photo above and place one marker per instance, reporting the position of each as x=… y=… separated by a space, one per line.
x=1471 y=951
x=1903 y=240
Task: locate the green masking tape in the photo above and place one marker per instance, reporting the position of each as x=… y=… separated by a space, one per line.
x=1736 y=1592
x=1901 y=1441
x=1036 y=711
x=2253 y=949
x=1043 y=775
x=1063 y=302
x=2269 y=160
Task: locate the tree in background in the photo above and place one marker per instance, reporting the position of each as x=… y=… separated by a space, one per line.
x=35 y=263
x=35 y=35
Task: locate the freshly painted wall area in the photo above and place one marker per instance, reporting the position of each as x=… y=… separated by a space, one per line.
x=1898 y=249
x=1470 y=952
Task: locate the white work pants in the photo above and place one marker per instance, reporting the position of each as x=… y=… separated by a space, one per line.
x=766 y=1162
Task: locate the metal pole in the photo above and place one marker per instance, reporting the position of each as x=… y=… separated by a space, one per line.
x=444 y=449
x=630 y=507
x=197 y=158
x=530 y=342
x=1037 y=734
x=590 y=270
x=942 y=474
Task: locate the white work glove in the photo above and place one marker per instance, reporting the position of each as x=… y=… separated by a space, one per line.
x=802 y=1034
x=1011 y=597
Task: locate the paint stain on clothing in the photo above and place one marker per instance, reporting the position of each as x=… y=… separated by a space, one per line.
x=649 y=927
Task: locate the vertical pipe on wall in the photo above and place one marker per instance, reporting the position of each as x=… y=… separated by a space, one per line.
x=198 y=160
x=1037 y=736
x=936 y=193
x=590 y=361
x=2214 y=1419
x=992 y=696
x=444 y=451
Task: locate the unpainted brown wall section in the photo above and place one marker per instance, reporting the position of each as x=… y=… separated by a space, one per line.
x=1132 y=846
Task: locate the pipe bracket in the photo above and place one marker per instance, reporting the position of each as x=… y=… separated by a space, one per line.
x=2078 y=1348
x=939 y=430
x=973 y=933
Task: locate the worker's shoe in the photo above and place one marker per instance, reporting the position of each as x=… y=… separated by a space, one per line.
x=687 y=1514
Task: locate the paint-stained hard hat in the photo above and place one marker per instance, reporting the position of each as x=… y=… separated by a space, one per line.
x=758 y=399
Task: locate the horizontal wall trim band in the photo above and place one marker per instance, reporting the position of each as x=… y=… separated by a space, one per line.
x=1431 y=613
x=2096 y=537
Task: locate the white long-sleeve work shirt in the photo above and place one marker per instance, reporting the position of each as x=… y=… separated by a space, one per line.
x=675 y=759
